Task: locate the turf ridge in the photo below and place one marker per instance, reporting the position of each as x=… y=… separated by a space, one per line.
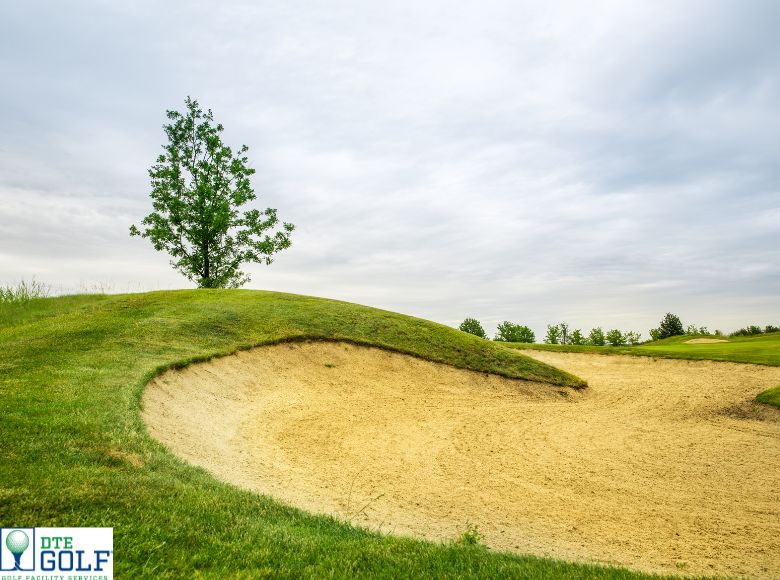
x=76 y=453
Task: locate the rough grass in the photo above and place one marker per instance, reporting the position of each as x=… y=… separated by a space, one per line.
x=22 y=292
x=762 y=349
x=75 y=453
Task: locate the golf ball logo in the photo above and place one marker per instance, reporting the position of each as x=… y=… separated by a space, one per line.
x=17 y=549
x=17 y=542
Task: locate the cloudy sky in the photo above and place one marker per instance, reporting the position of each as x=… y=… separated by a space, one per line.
x=600 y=162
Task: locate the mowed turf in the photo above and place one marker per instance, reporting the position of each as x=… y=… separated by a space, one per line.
x=762 y=349
x=74 y=452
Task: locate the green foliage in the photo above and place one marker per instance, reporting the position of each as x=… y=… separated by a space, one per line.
x=509 y=332
x=23 y=292
x=470 y=536
x=577 y=337
x=596 y=337
x=670 y=325
x=553 y=334
x=198 y=186
x=563 y=332
x=753 y=330
x=694 y=330
x=632 y=338
x=615 y=338
x=473 y=326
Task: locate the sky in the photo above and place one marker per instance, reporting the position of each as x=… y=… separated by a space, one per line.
x=600 y=163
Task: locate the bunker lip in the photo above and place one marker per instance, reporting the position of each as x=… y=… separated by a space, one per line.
x=644 y=469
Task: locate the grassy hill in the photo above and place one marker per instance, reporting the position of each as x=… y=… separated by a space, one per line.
x=75 y=453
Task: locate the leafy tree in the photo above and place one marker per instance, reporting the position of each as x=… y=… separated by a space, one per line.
x=632 y=338
x=670 y=326
x=198 y=186
x=563 y=331
x=509 y=332
x=473 y=326
x=693 y=329
x=577 y=338
x=771 y=328
x=615 y=337
x=747 y=331
x=596 y=337
x=553 y=334
x=655 y=334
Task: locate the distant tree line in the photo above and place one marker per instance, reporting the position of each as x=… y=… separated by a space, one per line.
x=670 y=325
x=753 y=329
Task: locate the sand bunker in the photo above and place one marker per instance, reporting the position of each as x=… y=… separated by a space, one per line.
x=659 y=466
x=704 y=340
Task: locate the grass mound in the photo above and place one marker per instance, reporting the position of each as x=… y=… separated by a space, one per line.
x=75 y=452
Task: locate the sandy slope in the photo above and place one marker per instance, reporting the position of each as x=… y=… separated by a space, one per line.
x=660 y=465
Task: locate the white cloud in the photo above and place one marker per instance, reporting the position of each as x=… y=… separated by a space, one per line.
x=598 y=162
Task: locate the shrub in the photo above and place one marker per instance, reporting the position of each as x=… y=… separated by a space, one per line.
x=553 y=334
x=473 y=326
x=670 y=325
x=596 y=337
x=509 y=332
x=577 y=338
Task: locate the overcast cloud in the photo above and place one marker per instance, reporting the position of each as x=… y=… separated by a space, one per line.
x=600 y=163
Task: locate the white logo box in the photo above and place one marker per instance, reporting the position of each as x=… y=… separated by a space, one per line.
x=87 y=553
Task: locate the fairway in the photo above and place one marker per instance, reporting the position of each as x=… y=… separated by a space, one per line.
x=660 y=465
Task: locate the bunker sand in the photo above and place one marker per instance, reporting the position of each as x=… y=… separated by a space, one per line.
x=661 y=465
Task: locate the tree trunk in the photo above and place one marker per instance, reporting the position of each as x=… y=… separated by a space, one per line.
x=206 y=266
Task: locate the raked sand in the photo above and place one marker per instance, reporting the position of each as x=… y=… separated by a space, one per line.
x=660 y=465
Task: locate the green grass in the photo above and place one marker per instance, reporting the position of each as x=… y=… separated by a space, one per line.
x=23 y=292
x=762 y=349
x=770 y=397
x=74 y=451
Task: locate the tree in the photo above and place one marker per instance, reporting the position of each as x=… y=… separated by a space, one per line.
x=198 y=186
x=509 y=332
x=576 y=337
x=563 y=331
x=615 y=338
x=596 y=337
x=632 y=338
x=473 y=326
x=553 y=334
x=670 y=325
